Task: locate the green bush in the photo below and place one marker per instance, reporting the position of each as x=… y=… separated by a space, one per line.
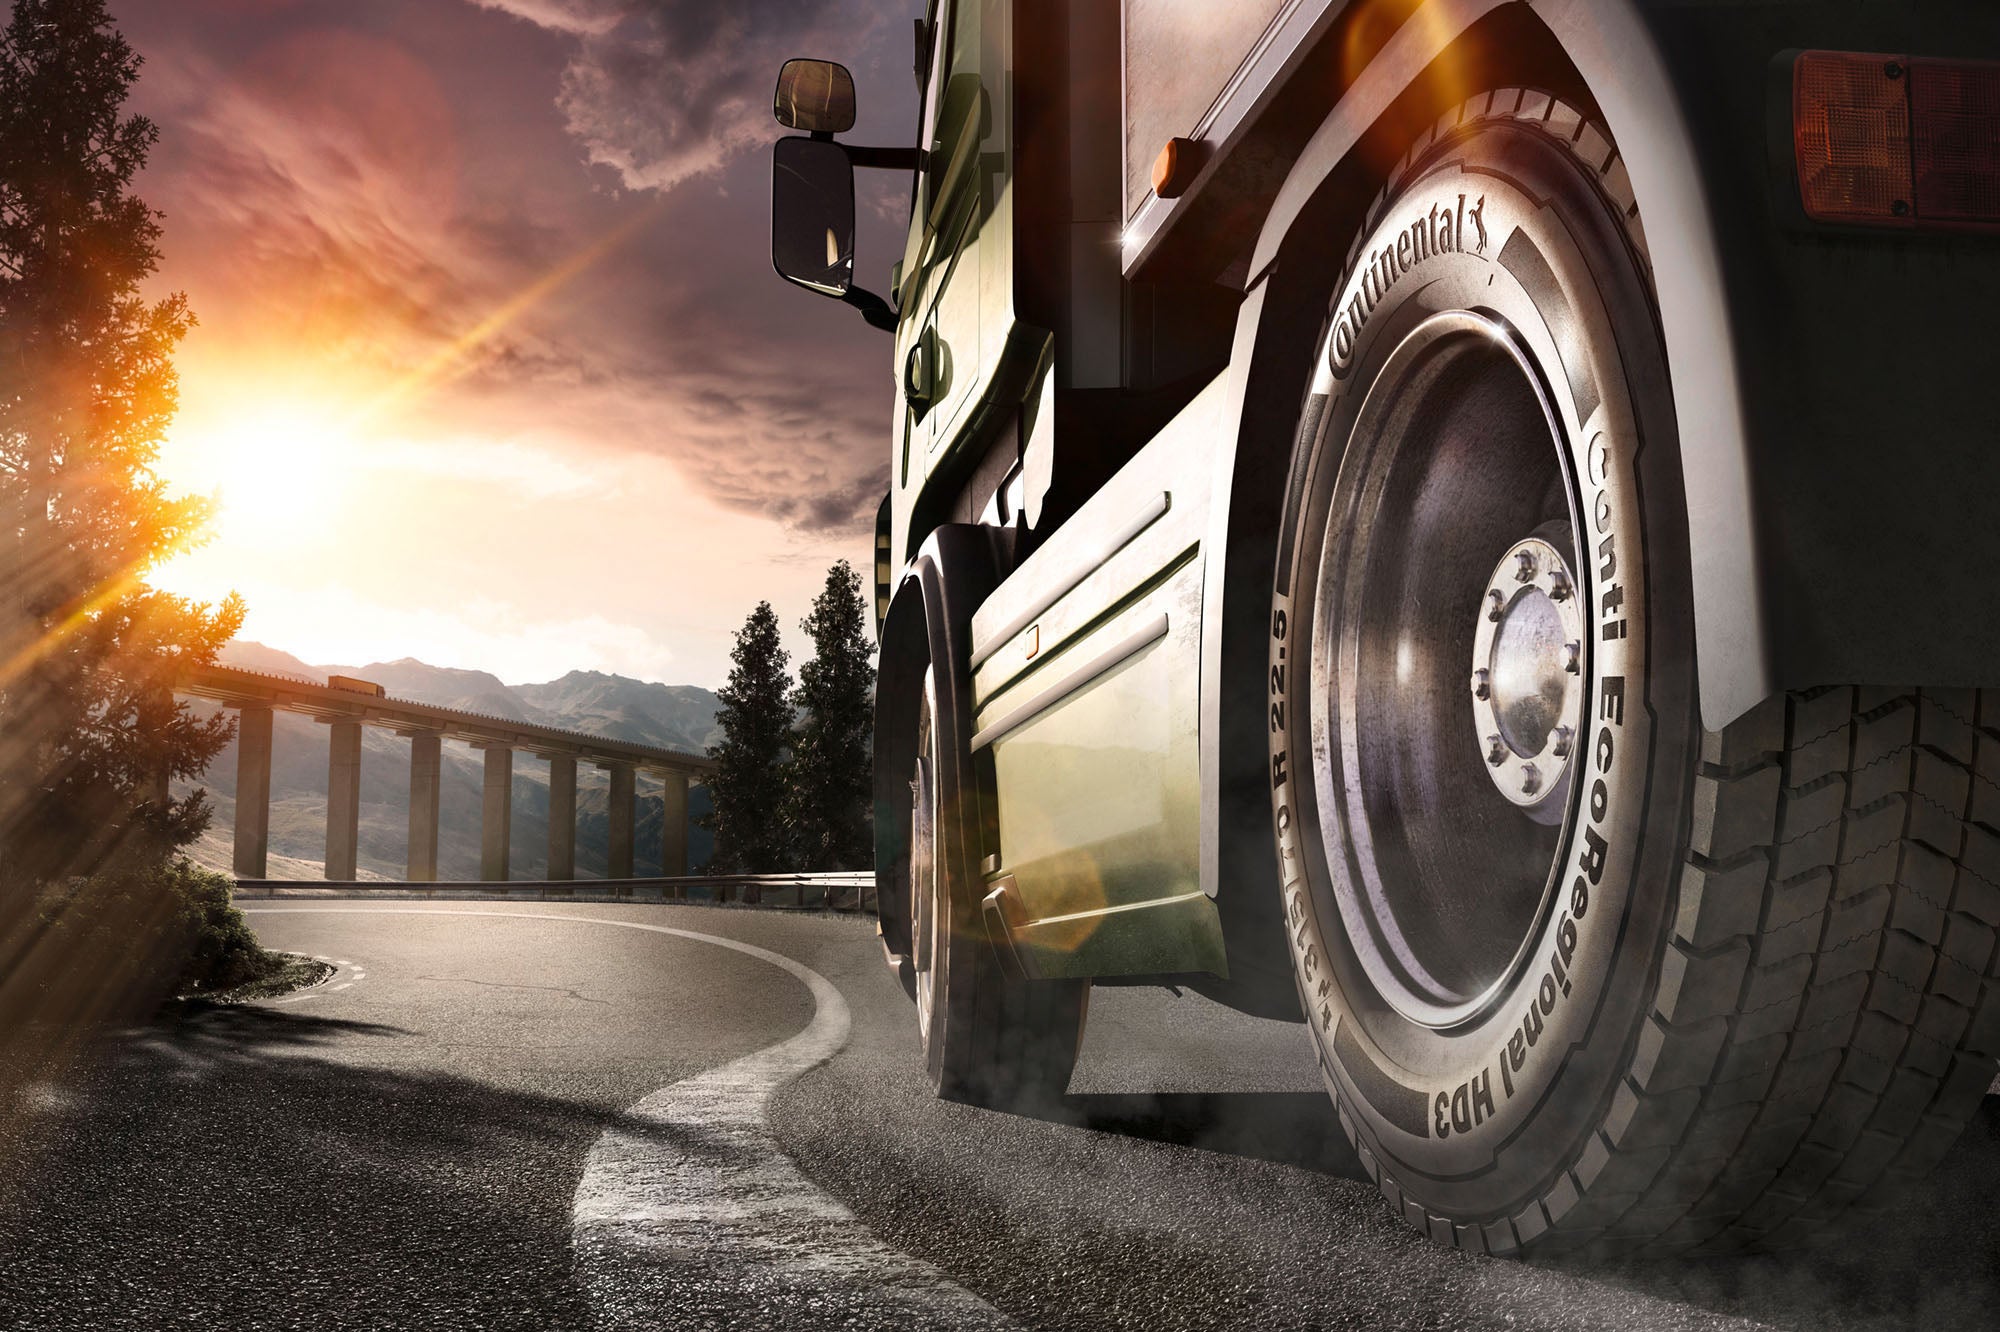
x=220 y=952
x=151 y=934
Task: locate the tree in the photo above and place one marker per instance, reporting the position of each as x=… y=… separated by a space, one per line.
x=90 y=733
x=747 y=785
x=828 y=792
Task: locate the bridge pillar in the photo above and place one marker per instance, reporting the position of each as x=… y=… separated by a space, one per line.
x=426 y=782
x=674 y=824
x=496 y=814
x=562 y=817
x=253 y=792
x=343 y=800
x=618 y=859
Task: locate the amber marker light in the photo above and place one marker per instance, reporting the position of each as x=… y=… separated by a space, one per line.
x=1174 y=169
x=1886 y=140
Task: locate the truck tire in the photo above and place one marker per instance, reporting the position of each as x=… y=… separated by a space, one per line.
x=990 y=1036
x=1583 y=976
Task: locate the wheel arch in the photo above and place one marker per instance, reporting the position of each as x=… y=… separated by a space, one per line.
x=1601 y=56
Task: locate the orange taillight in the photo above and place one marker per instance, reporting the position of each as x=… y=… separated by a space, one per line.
x=1891 y=141
x=1851 y=127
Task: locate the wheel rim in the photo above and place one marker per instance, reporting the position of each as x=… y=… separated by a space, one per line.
x=1449 y=669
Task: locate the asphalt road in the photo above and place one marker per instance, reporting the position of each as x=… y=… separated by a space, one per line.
x=536 y=1116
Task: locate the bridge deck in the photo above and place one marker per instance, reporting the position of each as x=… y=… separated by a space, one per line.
x=239 y=688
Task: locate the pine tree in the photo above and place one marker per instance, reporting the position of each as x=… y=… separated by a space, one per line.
x=90 y=732
x=828 y=791
x=747 y=783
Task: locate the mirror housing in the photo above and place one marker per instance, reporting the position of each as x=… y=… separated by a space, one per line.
x=816 y=96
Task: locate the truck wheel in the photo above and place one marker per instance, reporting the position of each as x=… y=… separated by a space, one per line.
x=1582 y=975
x=989 y=1038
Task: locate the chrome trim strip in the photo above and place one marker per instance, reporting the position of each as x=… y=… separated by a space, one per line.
x=1145 y=636
x=1092 y=562
x=1176 y=900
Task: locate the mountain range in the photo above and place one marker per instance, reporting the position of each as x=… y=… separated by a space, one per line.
x=615 y=706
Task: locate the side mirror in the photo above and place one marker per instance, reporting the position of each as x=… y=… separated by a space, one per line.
x=812 y=214
x=816 y=96
x=812 y=224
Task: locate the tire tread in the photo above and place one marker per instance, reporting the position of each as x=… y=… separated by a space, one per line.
x=1817 y=1038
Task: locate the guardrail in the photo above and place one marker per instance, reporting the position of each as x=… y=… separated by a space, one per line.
x=826 y=892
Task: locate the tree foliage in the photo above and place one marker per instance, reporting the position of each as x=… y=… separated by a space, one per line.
x=90 y=732
x=828 y=797
x=747 y=785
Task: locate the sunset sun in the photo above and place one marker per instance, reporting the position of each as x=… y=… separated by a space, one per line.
x=279 y=472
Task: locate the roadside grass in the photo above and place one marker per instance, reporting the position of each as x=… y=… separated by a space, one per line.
x=275 y=974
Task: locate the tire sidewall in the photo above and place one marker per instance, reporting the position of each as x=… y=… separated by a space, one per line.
x=1479 y=1119
x=959 y=973
x=926 y=952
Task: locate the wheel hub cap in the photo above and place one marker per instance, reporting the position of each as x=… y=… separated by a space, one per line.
x=1527 y=677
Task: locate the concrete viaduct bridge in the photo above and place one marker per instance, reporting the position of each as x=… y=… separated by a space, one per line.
x=348 y=705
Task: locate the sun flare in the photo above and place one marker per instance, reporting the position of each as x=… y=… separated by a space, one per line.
x=279 y=473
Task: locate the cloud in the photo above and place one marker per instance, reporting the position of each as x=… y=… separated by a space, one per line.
x=665 y=90
x=354 y=203
x=319 y=183
x=526 y=468
x=366 y=209
x=578 y=16
x=337 y=624
x=812 y=454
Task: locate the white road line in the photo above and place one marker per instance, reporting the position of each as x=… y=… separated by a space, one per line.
x=689 y=1215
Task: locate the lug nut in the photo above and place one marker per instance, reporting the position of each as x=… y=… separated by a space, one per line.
x=1525 y=568
x=1482 y=685
x=1559 y=586
x=1572 y=658
x=1531 y=780
x=1496 y=605
x=1565 y=741
x=1496 y=751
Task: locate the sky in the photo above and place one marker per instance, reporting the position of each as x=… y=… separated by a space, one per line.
x=491 y=367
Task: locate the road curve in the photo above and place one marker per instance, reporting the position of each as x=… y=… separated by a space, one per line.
x=531 y=1119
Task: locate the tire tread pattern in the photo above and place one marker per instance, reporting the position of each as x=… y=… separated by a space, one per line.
x=1828 y=1014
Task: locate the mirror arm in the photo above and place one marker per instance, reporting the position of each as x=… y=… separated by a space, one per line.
x=887 y=159
x=873 y=308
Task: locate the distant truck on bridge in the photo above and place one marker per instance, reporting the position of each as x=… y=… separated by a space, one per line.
x=355 y=685
x=1472 y=519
